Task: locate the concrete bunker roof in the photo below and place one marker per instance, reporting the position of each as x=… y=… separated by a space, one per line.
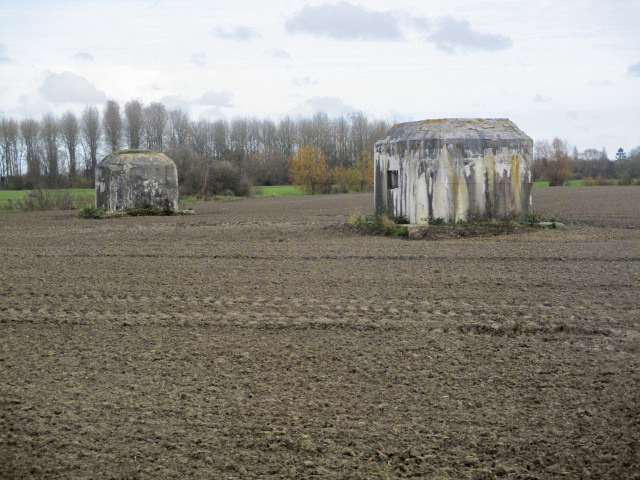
x=455 y=129
x=136 y=157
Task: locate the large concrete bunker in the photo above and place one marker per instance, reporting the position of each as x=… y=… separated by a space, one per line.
x=446 y=168
x=128 y=179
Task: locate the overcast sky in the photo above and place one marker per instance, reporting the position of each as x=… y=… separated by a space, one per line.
x=564 y=68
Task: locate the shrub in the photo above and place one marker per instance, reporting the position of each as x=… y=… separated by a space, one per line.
x=148 y=210
x=144 y=211
x=357 y=220
x=626 y=179
x=399 y=219
x=356 y=178
x=224 y=178
x=380 y=224
x=14 y=182
x=588 y=181
x=532 y=218
x=91 y=212
x=346 y=179
x=436 y=221
x=475 y=216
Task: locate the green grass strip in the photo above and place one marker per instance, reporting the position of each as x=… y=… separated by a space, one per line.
x=6 y=195
x=278 y=191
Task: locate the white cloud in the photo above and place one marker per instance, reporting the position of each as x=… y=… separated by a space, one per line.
x=344 y=21
x=4 y=54
x=634 y=69
x=332 y=106
x=304 y=81
x=540 y=98
x=84 y=56
x=452 y=34
x=31 y=106
x=67 y=87
x=199 y=58
x=239 y=34
x=214 y=113
x=600 y=83
x=413 y=21
x=218 y=99
x=366 y=67
x=174 y=101
x=278 y=53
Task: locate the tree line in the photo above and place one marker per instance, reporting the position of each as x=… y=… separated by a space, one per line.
x=558 y=162
x=211 y=155
x=229 y=156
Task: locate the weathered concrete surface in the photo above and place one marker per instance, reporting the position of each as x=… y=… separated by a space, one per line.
x=135 y=179
x=446 y=168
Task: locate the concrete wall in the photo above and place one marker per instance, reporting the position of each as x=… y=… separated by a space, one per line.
x=135 y=180
x=448 y=172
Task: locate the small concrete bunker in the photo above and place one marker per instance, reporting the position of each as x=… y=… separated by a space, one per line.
x=448 y=167
x=136 y=178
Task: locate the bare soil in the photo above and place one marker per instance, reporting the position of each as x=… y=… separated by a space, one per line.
x=255 y=340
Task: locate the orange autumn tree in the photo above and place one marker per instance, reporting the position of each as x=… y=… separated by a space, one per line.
x=309 y=168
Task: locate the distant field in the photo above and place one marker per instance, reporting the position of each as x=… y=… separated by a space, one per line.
x=13 y=195
x=82 y=194
x=260 y=192
x=572 y=183
x=278 y=191
x=6 y=195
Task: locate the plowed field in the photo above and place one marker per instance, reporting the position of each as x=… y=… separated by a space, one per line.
x=256 y=340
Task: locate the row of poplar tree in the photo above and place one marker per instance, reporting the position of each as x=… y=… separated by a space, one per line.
x=62 y=151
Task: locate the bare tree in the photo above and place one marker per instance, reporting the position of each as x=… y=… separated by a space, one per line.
x=90 y=132
x=629 y=166
x=359 y=130
x=155 y=122
x=287 y=136
x=9 y=138
x=200 y=139
x=112 y=124
x=179 y=128
x=50 y=134
x=133 y=111
x=29 y=131
x=555 y=160
x=220 y=139
x=268 y=132
x=258 y=147
x=239 y=138
x=377 y=130
x=253 y=136
x=323 y=131
x=590 y=159
x=306 y=135
x=605 y=165
x=341 y=140
x=70 y=131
